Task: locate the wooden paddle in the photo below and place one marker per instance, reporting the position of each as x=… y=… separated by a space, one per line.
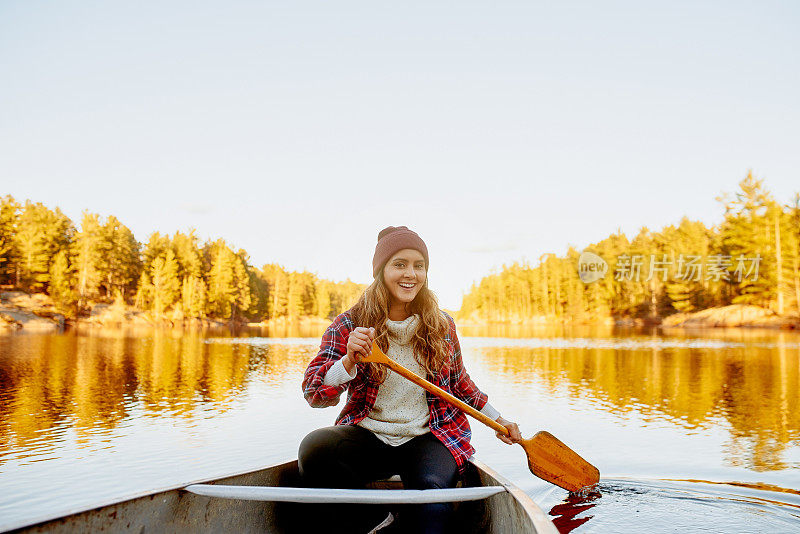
x=548 y=458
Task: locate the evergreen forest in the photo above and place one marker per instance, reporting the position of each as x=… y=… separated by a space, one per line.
x=751 y=257
x=42 y=251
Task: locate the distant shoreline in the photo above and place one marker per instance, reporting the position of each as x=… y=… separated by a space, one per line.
x=732 y=316
x=34 y=312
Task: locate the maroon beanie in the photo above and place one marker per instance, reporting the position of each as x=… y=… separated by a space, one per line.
x=393 y=239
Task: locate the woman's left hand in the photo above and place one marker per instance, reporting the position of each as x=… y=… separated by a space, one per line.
x=513 y=431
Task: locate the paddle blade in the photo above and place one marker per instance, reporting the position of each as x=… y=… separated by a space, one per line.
x=551 y=460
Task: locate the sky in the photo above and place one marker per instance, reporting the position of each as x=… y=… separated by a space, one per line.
x=498 y=131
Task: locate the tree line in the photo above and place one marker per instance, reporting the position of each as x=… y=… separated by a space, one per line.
x=42 y=251
x=751 y=257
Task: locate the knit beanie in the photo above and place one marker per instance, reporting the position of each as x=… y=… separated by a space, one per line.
x=393 y=239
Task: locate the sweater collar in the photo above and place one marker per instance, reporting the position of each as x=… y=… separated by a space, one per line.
x=403 y=331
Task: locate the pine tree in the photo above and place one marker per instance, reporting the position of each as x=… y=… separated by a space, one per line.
x=322 y=300
x=9 y=217
x=62 y=284
x=88 y=256
x=187 y=252
x=793 y=249
x=746 y=233
x=277 y=281
x=166 y=286
x=295 y=297
x=259 y=291
x=157 y=245
x=144 y=292
x=689 y=245
x=121 y=266
x=242 y=280
x=193 y=296
x=40 y=234
x=222 y=279
x=783 y=242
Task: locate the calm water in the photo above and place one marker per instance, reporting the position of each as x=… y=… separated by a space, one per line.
x=669 y=418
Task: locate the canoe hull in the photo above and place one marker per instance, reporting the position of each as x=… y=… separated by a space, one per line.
x=178 y=511
x=510 y=512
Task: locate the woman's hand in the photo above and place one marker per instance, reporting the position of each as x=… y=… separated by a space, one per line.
x=513 y=431
x=359 y=344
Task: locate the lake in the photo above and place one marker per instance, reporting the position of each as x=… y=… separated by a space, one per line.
x=693 y=431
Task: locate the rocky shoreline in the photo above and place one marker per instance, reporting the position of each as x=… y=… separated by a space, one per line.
x=32 y=312
x=733 y=316
x=35 y=312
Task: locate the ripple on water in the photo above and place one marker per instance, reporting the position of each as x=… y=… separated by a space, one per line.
x=655 y=506
x=259 y=341
x=544 y=342
x=614 y=343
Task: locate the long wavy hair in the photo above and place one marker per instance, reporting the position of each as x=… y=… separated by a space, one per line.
x=430 y=348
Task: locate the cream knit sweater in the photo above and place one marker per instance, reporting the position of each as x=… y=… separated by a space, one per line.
x=401 y=410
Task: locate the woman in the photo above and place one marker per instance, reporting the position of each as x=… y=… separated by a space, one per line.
x=390 y=425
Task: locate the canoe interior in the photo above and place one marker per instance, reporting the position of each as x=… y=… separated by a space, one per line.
x=179 y=511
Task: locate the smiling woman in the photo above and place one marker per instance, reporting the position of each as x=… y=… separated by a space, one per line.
x=404 y=275
x=389 y=426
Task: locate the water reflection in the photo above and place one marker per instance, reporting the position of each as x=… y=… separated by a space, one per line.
x=565 y=515
x=749 y=390
x=50 y=385
x=746 y=383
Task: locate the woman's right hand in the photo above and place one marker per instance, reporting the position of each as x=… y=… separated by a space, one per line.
x=359 y=344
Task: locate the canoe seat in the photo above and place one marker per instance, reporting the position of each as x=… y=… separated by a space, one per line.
x=335 y=495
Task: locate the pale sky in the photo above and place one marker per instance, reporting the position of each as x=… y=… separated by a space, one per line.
x=497 y=130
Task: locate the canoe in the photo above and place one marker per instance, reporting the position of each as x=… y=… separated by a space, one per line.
x=265 y=500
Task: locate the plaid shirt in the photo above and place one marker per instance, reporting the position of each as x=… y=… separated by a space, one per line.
x=447 y=423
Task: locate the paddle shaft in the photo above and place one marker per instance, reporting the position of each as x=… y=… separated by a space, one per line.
x=548 y=458
x=439 y=392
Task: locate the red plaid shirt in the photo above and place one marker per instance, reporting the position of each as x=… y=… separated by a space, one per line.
x=447 y=423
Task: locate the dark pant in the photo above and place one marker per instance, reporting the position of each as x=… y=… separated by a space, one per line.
x=349 y=456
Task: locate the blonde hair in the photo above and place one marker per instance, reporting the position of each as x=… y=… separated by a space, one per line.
x=430 y=347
